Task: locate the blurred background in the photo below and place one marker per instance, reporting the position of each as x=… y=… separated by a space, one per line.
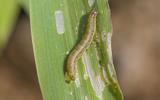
x=135 y=45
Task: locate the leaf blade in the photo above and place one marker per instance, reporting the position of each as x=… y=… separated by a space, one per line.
x=51 y=48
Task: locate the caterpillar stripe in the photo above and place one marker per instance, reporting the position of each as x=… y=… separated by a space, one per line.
x=84 y=43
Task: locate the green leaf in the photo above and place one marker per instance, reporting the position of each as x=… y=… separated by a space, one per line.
x=57 y=26
x=8 y=14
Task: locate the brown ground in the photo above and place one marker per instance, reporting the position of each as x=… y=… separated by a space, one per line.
x=136 y=47
x=18 y=79
x=136 y=52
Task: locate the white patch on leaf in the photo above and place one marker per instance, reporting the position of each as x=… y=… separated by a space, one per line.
x=59 y=21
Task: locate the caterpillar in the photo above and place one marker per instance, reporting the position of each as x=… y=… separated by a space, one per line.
x=79 y=49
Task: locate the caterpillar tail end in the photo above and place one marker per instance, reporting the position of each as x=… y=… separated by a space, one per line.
x=69 y=77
